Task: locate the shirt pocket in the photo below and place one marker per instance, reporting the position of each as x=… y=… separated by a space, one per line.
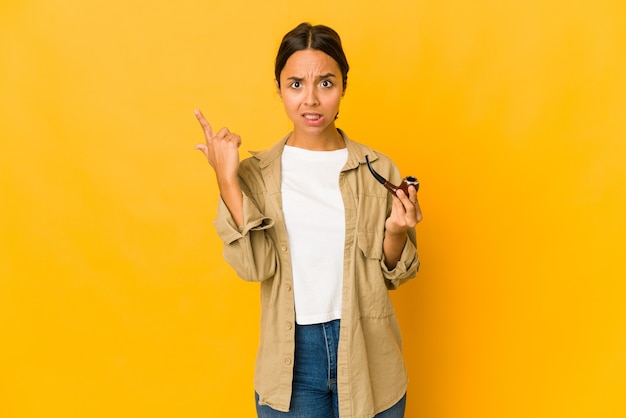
x=374 y=301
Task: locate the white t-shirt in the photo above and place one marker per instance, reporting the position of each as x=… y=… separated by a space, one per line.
x=315 y=220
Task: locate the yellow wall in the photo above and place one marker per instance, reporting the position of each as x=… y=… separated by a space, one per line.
x=114 y=299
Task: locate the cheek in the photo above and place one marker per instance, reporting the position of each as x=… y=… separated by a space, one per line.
x=290 y=106
x=289 y=103
x=335 y=100
x=294 y=99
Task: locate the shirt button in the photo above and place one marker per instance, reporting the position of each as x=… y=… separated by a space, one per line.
x=288 y=287
x=287 y=361
x=288 y=325
x=283 y=247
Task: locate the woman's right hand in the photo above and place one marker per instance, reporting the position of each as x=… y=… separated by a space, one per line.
x=221 y=150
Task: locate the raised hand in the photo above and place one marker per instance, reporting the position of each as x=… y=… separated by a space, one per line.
x=221 y=150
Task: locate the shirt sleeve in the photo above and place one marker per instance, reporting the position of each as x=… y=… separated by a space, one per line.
x=247 y=249
x=407 y=266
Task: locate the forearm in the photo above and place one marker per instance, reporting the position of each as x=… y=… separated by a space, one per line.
x=393 y=245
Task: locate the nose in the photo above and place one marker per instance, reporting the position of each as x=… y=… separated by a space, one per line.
x=310 y=96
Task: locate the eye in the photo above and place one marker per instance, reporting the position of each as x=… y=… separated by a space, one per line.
x=295 y=85
x=327 y=83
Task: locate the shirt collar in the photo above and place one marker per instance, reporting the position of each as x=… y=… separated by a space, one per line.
x=356 y=152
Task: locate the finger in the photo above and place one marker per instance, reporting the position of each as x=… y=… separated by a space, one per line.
x=230 y=137
x=416 y=204
x=203 y=148
x=399 y=206
x=235 y=138
x=413 y=194
x=223 y=133
x=206 y=126
x=404 y=199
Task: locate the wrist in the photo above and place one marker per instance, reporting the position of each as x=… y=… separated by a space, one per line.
x=395 y=239
x=395 y=231
x=227 y=182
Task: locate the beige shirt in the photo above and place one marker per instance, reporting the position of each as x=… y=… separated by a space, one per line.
x=371 y=372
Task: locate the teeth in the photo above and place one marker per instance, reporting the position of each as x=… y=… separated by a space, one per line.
x=312 y=117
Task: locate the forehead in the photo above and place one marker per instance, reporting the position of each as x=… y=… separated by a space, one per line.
x=310 y=62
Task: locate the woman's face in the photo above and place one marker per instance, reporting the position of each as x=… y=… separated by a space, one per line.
x=311 y=89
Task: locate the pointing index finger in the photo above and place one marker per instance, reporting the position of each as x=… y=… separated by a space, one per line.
x=206 y=126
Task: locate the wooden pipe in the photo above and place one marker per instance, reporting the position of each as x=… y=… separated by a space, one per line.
x=404 y=185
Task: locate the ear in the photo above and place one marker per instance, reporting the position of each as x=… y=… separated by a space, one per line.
x=277 y=88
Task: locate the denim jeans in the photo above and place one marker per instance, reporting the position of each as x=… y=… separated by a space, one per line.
x=314 y=388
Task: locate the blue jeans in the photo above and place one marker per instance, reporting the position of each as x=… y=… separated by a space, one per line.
x=314 y=388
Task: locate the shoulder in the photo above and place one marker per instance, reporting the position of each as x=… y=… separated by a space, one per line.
x=251 y=168
x=381 y=162
x=266 y=157
x=362 y=149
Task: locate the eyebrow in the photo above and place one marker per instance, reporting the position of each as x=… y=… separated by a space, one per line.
x=327 y=75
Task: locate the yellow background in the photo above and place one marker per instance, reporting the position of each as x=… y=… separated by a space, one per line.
x=114 y=298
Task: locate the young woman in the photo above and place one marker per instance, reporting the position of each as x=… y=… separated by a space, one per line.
x=326 y=241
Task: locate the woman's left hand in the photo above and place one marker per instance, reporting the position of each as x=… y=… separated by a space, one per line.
x=405 y=212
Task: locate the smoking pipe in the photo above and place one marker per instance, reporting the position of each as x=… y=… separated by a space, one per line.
x=404 y=186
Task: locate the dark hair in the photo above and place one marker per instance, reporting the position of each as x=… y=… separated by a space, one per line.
x=307 y=36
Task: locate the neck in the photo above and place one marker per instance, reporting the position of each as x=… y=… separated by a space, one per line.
x=329 y=140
